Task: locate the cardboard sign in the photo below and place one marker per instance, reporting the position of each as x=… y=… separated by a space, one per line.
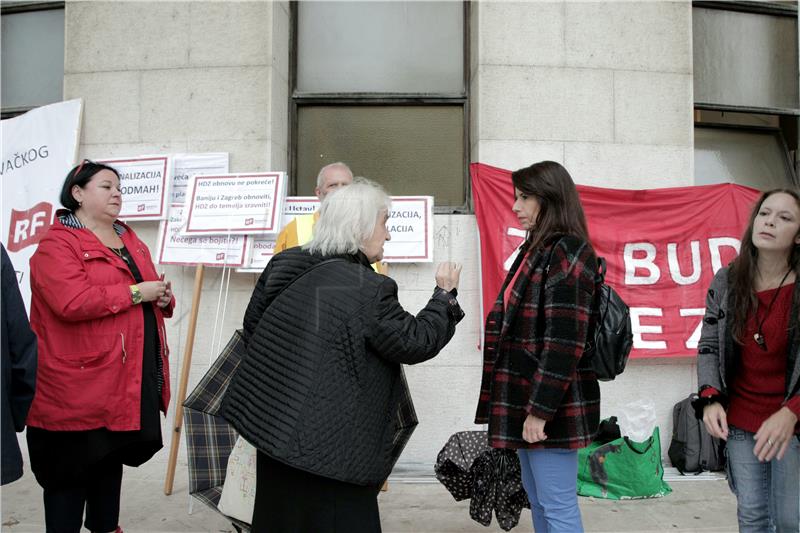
x=145 y=185
x=411 y=227
x=211 y=250
x=237 y=204
x=186 y=166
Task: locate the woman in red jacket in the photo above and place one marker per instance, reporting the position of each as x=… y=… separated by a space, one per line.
x=98 y=308
x=538 y=395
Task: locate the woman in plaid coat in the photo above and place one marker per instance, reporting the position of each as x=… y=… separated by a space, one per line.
x=537 y=394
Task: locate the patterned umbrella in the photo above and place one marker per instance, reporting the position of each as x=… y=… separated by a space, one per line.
x=490 y=478
x=209 y=438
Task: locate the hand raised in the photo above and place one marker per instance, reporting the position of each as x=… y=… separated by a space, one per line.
x=447 y=275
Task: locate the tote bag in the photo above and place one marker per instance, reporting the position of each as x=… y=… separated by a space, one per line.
x=239 y=491
x=622 y=469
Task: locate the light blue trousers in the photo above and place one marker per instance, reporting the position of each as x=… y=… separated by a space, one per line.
x=767 y=494
x=550 y=479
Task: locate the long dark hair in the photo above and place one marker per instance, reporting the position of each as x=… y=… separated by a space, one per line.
x=560 y=210
x=80 y=175
x=743 y=269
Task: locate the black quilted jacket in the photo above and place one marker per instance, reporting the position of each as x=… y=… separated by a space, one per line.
x=321 y=381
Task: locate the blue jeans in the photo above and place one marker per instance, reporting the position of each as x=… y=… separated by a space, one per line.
x=768 y=494
x=550 y=477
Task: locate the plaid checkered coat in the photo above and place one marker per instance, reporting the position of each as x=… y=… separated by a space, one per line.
x=533 y=348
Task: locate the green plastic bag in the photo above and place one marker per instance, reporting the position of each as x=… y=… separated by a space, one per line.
x=622 y=469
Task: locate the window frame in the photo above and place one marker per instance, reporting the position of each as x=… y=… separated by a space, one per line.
x=13 y=8
x=299 y=99
x=775 y=131
x=756 y=8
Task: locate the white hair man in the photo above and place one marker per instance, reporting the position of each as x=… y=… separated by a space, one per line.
x=299 y=231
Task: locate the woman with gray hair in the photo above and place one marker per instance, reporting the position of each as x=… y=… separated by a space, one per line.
x=320 y=390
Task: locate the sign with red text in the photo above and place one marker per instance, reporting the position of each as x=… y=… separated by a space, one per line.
x=186 y=166
x=237 y=204
x=174 y=248
x=662 y=247
x=411 y=226
x=261 y=248
x=144 y=183
x=38 y=149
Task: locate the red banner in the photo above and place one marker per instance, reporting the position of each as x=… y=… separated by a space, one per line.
x=662 y=247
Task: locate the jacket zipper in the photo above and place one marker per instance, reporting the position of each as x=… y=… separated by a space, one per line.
x=124 y=353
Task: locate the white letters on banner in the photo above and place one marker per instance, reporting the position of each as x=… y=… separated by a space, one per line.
x=641 y=256
x=235 y=204
x=185 y=166
x=38 y=150
x=211 y=250
x=144 y=182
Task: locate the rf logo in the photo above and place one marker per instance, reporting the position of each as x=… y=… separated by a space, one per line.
x=28 y=227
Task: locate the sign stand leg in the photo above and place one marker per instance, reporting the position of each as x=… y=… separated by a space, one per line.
x=184 y=380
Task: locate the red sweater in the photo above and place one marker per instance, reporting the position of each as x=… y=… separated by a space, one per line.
x=759 y=387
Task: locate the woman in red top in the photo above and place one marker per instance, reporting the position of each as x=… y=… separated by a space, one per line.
x=749 y=366
x=98 y=308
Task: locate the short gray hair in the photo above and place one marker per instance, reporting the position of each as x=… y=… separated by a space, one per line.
x=347 y=218
x=338 y=164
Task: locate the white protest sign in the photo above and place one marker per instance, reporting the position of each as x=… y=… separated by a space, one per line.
x=211 y=250
x=38 y=149
x=184 y=166
x=235 y=203
x=261 y=248
x=411 y=227
x=144 y=182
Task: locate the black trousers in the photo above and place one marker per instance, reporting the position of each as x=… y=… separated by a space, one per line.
x=99 y=493
x=289 y=500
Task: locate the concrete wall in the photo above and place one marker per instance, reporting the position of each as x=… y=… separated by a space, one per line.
x=604 y=88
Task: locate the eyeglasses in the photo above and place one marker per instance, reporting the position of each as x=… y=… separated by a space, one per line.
x=77 y=170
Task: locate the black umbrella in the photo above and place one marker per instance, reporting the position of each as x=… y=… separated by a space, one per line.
x=209 y=438
x=490 y=477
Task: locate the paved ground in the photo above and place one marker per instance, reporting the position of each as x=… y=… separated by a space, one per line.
x=412 y=504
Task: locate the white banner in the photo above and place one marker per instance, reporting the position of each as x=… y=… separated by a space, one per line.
x=211 y=250
x=411 y=227
x=145 y=183
x=235 y=204
x=38 y=149
x=186 y=166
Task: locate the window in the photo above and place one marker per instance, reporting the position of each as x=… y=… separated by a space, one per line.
x=382 y=86
x=747 y=100
x=32 y=55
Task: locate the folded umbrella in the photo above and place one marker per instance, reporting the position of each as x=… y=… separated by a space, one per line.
x=209 y=437
x=490 y=478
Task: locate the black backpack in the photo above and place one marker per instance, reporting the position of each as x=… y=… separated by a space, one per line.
x=693 y=449
x=611 y=343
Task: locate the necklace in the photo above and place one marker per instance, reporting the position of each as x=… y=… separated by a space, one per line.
x=758 y=336
x=118 y=251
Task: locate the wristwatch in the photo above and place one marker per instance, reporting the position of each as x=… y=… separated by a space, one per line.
x=136 y=294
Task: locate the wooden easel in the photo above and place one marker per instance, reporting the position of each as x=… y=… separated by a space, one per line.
x=184 y=381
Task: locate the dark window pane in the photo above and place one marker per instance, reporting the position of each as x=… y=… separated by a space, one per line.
x=415 y=150
x=32 y=58
x=387 y=47
x=745 y=59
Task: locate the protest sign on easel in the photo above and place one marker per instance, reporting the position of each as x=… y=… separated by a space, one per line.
x=261 y=248
x=145 y=183
x=211 y=229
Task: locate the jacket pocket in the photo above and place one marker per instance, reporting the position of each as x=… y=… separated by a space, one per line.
x=104 y=350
